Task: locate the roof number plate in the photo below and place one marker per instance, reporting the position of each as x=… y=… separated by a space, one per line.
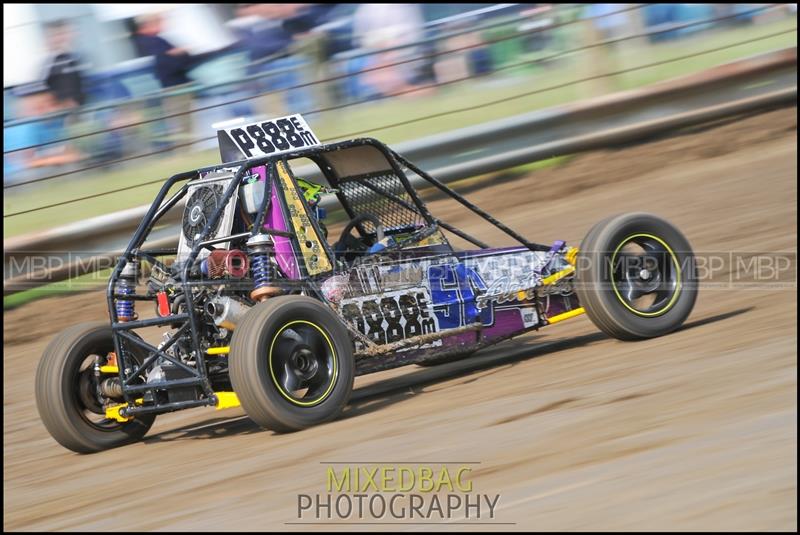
x=265 y=138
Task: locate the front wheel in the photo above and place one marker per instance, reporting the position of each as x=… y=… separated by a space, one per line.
x=636 y=276
x=291 y=363
x=67 y=395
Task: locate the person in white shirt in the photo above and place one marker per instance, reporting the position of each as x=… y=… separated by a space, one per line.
x=381 y=26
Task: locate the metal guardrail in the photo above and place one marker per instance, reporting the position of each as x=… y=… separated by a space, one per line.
x=761 y=81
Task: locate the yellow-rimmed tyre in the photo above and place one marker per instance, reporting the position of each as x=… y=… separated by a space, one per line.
x=291 y=363
x=68 y=395
x=636 y=276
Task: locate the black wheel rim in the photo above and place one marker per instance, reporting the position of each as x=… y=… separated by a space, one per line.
x=302 y=363
x=646 y=275
x=88 y=399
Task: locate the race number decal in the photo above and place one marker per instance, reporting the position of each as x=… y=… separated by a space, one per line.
x=455 y=290
x=392 y=316
x=266 y=138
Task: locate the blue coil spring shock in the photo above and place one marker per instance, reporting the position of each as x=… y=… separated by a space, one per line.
x=126 y=286
x=260 y=268
x=260 y=250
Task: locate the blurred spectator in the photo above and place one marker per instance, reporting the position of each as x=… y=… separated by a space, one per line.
x=608 y=21
x=381 y=26
x=172 y=63
x=261 y=29
x=172 y=66
x=267 y=32
x=536 y=26
x=309 y=17
x=63 y=68
x=464 y=55
x=36 y=100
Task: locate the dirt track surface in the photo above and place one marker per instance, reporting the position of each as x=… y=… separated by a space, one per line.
x=575 y=431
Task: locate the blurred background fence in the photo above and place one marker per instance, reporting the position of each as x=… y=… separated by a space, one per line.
x=102 y=102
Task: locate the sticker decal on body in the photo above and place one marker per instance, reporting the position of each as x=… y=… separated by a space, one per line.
x=455 y=289
x=314 y=255
x=388 y=302
x=392 y=316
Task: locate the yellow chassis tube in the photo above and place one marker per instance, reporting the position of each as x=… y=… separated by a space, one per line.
x=225 y=400
x=566 y=315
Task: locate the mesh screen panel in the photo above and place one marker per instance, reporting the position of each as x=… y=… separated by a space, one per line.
x=373 y=194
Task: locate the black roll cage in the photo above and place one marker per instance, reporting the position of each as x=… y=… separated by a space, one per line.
x=129 y=371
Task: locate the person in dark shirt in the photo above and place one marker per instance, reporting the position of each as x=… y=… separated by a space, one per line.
x=63 y=76
x=171 y=63
x=266 y=33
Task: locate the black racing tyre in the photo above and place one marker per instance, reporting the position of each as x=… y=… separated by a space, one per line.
x=291 y=363
x=636 y=276
x=65 y=393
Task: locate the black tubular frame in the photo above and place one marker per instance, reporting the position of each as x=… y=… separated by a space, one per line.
x=459 y=198
x=129 y=371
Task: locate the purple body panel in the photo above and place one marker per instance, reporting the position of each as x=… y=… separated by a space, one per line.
x=284 y=253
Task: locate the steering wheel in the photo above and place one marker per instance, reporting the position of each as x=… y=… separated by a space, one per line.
x=351 y=246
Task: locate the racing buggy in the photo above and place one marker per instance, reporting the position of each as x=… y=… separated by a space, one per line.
x=259 y=307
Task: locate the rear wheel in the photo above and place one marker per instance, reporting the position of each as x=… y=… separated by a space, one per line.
x=636 y=276
x=67 y=396
x=291 y=363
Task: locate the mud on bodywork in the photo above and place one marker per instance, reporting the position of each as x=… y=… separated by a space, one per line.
x=481 y=296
